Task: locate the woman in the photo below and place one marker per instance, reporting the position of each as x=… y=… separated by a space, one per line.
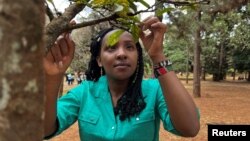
x=115 y=103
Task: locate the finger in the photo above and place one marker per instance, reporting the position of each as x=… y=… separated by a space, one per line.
x=72 y=22
x=62 y=44
x=70 y=44
x=147 y=18
x=147 y=24
x=142 y=34
x=159 y=26
x=56 y=53
x=49 y=56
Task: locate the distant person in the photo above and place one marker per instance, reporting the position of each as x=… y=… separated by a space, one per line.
x=70 y=78
x=83 y=77
x=115 y=103
x=241 y=77
x=79 y=78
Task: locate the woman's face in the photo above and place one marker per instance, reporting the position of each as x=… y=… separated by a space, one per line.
x=119 y=61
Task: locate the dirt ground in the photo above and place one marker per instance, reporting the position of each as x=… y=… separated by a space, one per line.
x=226 y=102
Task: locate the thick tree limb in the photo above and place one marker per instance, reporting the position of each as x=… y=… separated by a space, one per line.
x=60 y=25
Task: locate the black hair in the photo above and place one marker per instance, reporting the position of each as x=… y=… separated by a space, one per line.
x=132 y=101
x=94 y=71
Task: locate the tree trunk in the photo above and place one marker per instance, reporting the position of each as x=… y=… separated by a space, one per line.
x=203 y=74
x=21 y=84
x=248 y=77
x=187 y=65
x=221 y=56
x=197 y=50
x=233 y=74
x=215 y=77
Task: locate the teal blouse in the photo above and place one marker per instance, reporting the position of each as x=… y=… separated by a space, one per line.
x=90 y=103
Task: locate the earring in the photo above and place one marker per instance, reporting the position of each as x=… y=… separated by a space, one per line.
x=101 y=71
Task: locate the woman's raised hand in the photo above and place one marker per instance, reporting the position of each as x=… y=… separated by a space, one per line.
x=59 y=57
x=153 y=40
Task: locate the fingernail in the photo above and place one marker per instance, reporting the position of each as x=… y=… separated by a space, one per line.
x=147 y=32
x=60 y=37
x=70 y=37
x=60 y=64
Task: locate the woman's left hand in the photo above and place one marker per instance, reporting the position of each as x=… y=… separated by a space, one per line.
x=153 y=42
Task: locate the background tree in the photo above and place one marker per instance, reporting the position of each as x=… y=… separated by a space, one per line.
x=216 y=25
x=82 y=38
x=186 y=33
x=240 y=42
x=218 y=46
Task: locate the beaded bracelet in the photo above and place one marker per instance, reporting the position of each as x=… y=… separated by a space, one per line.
x=163 y=64
x=162 y=68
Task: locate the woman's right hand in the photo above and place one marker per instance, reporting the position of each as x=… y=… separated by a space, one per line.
x=153 y=42
x=59 y=57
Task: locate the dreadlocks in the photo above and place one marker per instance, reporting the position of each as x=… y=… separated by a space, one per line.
x=132 y=101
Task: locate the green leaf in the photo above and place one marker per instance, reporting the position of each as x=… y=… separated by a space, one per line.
x=165 y=10
x=130 y=10
x=51 y=1
x=114 y=37
x=80 y=1
x=193 y=7
x=118 y=8
x=98 y=3
x=134 y=29
x=144 y=3
x=132 y=5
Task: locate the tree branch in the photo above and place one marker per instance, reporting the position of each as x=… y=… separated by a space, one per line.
x=61 y=24
x=57 y=12
x=48 y=11
x=232 y=4
x=93 y=22
x=185 y=3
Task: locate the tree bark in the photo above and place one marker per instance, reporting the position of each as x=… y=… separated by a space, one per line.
x=221 y=56
x=248 y=77
x=187 y=65
x=21 y=75
x=197 y=50
x=203 y=74
x=233 y=74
